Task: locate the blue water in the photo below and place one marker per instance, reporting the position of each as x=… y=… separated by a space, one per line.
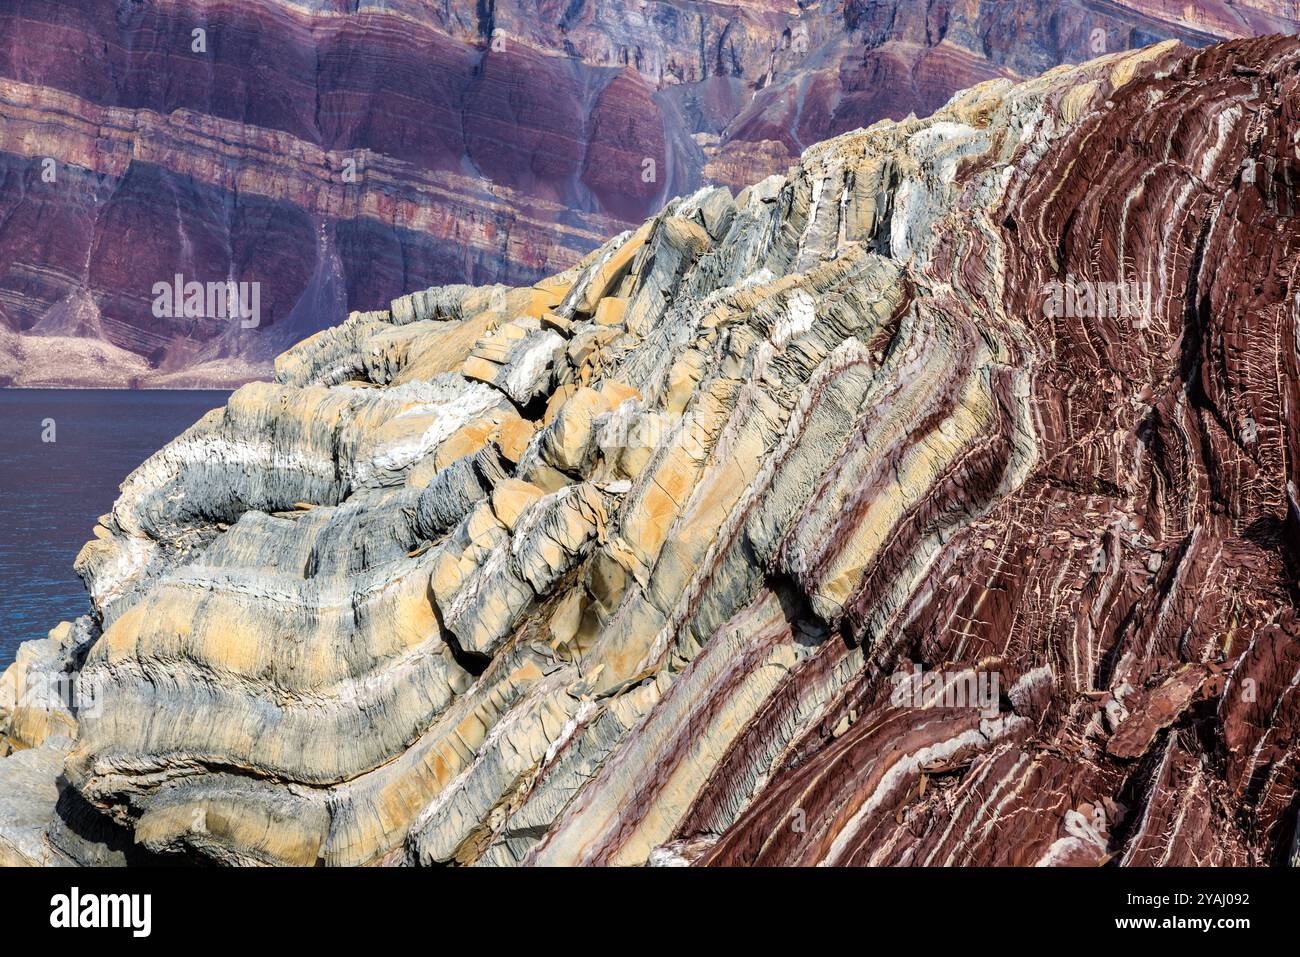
x=51 y=493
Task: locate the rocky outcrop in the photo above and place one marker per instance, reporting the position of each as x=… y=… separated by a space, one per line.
x=935 y=504
x=341 y=154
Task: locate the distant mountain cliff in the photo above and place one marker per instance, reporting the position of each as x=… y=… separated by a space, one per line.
x=933 y=504
x=338 y=154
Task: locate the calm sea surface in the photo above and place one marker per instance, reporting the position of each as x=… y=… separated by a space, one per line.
x=51 y=493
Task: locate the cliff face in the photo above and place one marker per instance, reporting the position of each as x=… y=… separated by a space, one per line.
x=340 y=154
x=935 y=504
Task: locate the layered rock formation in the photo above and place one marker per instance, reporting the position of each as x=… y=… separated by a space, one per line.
x=340 y=154
x=633 y=565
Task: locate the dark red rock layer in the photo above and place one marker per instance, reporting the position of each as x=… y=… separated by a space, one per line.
x=1141 y=588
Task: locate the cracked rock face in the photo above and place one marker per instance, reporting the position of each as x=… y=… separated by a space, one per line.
x=933 y=504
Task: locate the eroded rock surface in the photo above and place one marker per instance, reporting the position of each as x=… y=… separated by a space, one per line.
x=624 y=568
x=342 y=153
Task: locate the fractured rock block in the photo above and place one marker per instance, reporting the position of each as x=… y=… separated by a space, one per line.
x=517 y=359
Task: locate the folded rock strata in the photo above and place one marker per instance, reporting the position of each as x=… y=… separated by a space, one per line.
x=624 y=568
x=341 y=153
